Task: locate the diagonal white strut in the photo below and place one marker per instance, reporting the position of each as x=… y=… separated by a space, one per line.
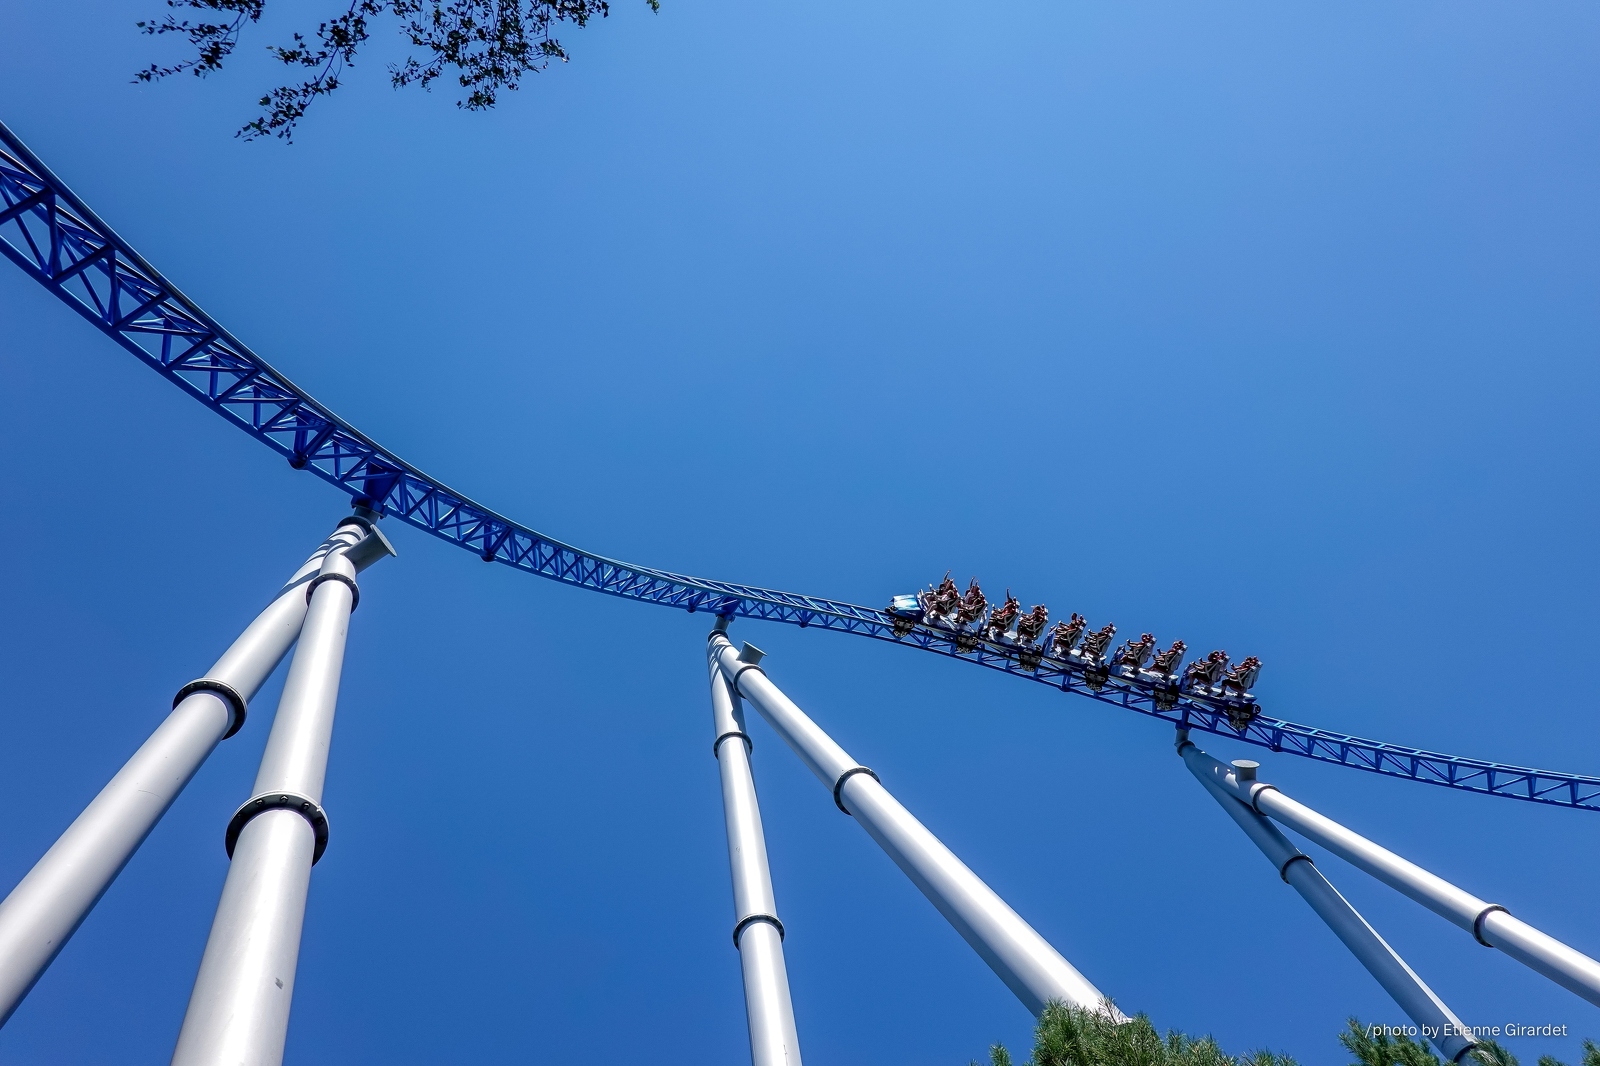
x=1023 y=959
x=1491 y=924
x=49 y=904
x=757 y=932
x=1413 y=996
x=238 y=1013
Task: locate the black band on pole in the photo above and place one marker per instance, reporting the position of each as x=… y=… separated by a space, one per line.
x=1477 y=923
x=734 y=680
x=716 y=745
x=305 y=806
x=847 y=775
x=749 y=919
x=1255 y=795
x=356 y=520
x=1283 y=871
x=355 y=590
x=230 y=696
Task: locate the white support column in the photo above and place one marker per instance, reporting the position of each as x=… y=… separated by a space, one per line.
x=1489 y=923
x=757 y=932
x=239 y=1010
x=49 y=904
x=1023 y=959
x=1408 y=990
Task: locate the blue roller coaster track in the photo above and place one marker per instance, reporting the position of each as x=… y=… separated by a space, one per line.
x=54 y=237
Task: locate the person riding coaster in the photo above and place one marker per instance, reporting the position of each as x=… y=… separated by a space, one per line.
x=1203 y=674
x=1001 y=619
x=947 y=608
x=1133 y=653
x=1241 y=677
x=1092 y=651
x=970 y=613
x=1165 y=665
x=1065 y=636
x=1030 y=625
x=939 y=604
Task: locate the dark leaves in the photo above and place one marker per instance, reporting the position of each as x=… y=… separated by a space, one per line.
x=213 y=41
x=335 y=48
x=489 y=45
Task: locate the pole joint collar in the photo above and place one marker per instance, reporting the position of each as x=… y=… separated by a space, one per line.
x=305 y=806
x=716 y=745
x=355 y=590
x=847 y=775
x=237 y=708
x=1256 y=789
x=737 y=674
x=1283 y=871
x=751 y=919
x=366 y=524
x=1477 y=923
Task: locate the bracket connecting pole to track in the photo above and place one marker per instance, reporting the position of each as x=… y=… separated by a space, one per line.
x=1413 y=996
x=1489 y=923
x=1023 y=959
x=757 y=932
x=239 y=1009
x=47 y=906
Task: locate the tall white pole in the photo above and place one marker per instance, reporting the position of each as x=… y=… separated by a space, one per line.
x=1413 y=996
x=757 y=932
x=239 y=1010
x=1023 y=959
x=49 y=904
x=1490 y=923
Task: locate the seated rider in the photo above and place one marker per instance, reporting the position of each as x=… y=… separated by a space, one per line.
x=972 y=604
x=1032 y=624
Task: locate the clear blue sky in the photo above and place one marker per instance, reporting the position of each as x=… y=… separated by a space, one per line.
x=1271 y=327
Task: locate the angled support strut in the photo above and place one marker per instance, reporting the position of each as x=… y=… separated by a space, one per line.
x=757 y=932
x=49 y=904
x=1489 y=923
x=239 y=1009
x=1438 y=1021
x=1023 y=959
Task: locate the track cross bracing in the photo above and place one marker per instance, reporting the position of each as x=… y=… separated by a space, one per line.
x=58 y=241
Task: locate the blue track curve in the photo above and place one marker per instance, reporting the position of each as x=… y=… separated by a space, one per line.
x=59 y=242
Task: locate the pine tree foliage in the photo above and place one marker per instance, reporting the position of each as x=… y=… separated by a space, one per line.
x=489 y=45
x=1076 y=1036
x=1382 y=1049
x=1490 y=1053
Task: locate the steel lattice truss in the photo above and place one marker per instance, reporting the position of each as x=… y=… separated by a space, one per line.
x=57 y=240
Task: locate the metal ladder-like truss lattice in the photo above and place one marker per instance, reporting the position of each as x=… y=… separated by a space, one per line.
x=54 y=237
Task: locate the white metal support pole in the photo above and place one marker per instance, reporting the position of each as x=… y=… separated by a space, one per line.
x=239 y=1010
x=1413 y=996
x=49 y=904
x=1489 y=923
x=757 y=932
x=1023 y=959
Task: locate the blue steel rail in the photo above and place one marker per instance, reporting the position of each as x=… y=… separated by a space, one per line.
x=54 y=237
